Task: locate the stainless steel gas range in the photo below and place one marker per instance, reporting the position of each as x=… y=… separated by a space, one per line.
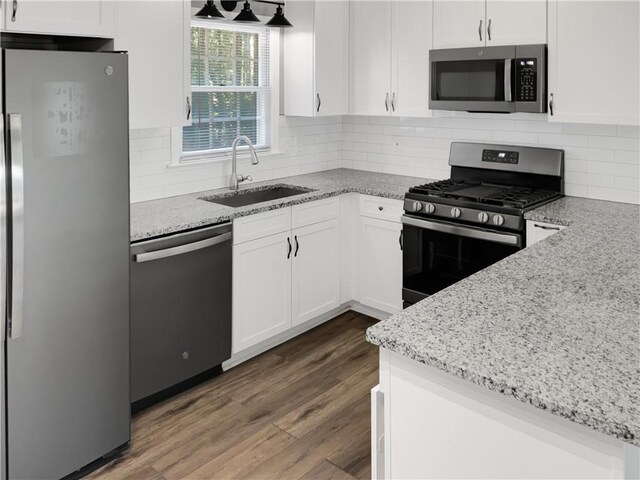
x=454 y=228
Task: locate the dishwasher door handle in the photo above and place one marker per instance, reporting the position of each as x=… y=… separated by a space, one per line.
x=180 y=249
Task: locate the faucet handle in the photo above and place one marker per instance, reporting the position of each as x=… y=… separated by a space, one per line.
x=249 y=178
x=243 y=178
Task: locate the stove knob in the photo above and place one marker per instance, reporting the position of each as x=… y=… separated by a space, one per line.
x=417 y=206
x=430 y=208
x=483 y=217
x=455 y=212
x=498 y=220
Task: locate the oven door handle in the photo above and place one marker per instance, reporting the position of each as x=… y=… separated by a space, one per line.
x=504 y=238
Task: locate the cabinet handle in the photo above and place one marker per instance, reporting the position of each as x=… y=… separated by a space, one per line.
x=489 y=30
x=297 y=246
x=393 y=101
x=289 y=252
x=386 y=102
x=551 y=104
x=188 y=108
x=319 y=102
x=546 y=227
x=400 y=240
x=480 y=30
x=15 y=10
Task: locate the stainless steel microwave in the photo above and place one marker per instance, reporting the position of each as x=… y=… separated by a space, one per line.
x=489 y=79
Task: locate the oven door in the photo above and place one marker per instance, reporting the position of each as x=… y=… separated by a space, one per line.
x=438 y=254
x=473 y=79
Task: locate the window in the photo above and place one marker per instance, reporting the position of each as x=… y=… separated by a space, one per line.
x=231 y=88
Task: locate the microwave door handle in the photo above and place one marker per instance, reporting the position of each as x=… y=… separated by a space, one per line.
x=507 y=80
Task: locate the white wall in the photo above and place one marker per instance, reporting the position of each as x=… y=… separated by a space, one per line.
x=601 y=161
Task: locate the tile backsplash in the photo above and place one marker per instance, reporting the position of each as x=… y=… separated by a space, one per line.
x=306 y=145
x=601 y=161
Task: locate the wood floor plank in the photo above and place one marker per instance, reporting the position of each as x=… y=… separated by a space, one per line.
x=329 y=403
x=241 y=459
x=316 y=358
x=316 y=446
x=224 y=428
x=326 y=471
x=354 y=457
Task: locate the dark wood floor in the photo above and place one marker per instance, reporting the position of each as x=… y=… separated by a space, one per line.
x=300 y=410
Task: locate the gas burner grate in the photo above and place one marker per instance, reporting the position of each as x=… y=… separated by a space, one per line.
x=442 y=187
x=518 y=197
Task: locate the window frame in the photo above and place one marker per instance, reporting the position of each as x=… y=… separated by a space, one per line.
x=180 y=158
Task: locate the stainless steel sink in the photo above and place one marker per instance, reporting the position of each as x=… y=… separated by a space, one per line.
x=256 y=195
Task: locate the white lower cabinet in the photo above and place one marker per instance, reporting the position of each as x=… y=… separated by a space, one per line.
x=316 y=270
x=288 y=276
x=537 y=231
x=261 y=290
x=380 y=264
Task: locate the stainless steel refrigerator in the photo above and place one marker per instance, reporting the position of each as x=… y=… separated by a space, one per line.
x=65 y=260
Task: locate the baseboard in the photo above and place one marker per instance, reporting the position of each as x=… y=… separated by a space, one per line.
x=268 y=344
x=370 y=311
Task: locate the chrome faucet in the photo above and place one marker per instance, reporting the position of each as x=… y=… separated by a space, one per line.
x=236 y=179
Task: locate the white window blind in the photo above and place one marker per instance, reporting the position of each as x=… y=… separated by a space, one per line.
x=230 y=87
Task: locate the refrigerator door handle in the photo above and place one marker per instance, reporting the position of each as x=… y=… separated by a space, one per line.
x=3 y=234
x=16 y=292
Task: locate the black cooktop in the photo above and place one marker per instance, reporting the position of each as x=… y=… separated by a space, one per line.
x=486 y=194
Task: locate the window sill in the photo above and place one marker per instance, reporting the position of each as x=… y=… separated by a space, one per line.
x=204 y=159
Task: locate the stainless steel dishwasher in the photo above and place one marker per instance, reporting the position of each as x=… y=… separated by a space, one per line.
x=180 y=311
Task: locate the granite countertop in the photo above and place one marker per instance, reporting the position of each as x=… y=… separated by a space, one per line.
x=556 y=325
x=169 y=215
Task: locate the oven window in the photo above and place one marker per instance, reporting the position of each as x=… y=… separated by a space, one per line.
x=472 y=80
x=433 y=260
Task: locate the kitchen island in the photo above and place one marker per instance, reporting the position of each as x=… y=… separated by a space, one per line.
x=527 y=369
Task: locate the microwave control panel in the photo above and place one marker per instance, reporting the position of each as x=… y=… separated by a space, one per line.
x=527 y=73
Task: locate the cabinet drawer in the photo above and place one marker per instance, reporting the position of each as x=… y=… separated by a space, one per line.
x=314 y=212
x=537 y=231
x=381 y=208
x=261 y=225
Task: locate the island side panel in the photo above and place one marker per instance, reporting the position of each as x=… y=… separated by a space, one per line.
x=440 y=426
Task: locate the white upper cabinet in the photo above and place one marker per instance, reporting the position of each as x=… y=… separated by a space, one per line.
x=91 y=18
x=390 y=42
x=315 y=58
x=458 y=24
x=516 y=22
x=156 y=35
x=410 y=66
x=594 y=68
x=370 y=57
x=477 y=23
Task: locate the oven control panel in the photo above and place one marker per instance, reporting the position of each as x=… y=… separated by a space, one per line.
x=500 y=156
x=526 y=80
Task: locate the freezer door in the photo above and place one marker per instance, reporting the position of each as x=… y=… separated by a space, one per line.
x=67 y=359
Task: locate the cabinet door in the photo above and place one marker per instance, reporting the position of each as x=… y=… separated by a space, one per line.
x=411 y=45
x=92 y=18
x=331 y=47
x=516 y=22
x=261 y=290
x=370 y=79
x=316 y=270
x=458 y=24
x=594 y=68
x=380 y=265
x=157 y=49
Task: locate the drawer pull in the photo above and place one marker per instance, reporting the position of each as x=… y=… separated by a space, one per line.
x=381 y=208
x=545 y=227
